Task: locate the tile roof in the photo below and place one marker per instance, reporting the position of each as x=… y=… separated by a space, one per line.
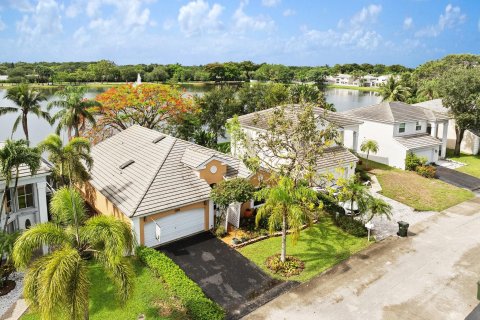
x=259 y=119
x=334 y=157
x=394 y=112
x=418 y=141
x=161 y=177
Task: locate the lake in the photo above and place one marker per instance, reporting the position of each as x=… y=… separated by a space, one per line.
x=343 y=99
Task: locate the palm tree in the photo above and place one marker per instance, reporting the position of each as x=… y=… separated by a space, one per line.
x=376 y=207
x=289 y=205
x=27 y=101
x=72 y=162
x=393 y=90
x=369 y=146
x=57 y=284
x=353 y=191
x=74 y=110
x=13 y=155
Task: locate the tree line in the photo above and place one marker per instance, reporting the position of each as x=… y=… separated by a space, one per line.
x=109 y=71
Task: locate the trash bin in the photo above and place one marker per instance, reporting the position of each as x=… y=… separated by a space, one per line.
x=402 y=228
x=478 y=290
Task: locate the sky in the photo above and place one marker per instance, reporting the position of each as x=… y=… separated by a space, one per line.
x=291 y=32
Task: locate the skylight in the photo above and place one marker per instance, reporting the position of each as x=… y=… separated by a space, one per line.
x=156 y=140
x=126 y=164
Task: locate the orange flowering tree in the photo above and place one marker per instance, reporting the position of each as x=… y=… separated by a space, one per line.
x=149 y=105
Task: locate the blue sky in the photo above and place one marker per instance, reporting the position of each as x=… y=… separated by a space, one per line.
x=291 y=32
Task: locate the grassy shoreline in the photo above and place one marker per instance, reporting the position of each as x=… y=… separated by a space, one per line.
x=368 y=89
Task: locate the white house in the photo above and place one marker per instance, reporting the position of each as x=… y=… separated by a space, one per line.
x=29 y=206
x=336 y=159
x=400 y=128
x=471 y=140
x=159 y=184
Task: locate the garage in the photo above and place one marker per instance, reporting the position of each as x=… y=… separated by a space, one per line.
x=174 y=226
x=429 y=154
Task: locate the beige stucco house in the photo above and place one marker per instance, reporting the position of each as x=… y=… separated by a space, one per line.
x=158 y=183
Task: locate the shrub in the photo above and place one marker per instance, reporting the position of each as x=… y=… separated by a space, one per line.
x=330 y=205
x=426 y=171
x=412 y=161
x=198 y=306
x=363 y=175
x=351 y=226
x=292 y=266
x=220 y=232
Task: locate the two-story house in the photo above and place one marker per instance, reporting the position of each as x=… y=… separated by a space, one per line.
x=27 y=206
x=400 y=128
x=335 y=159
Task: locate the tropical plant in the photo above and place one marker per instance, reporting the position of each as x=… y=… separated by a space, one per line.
x=394 y=90
x=288 y=204
x=56 y=284
x=369 y=146
x=13 y=155
x=28 y=102
x=7 y=241
x=74 y=110
x=72 y=162
x=376 y=207
x=353 y=191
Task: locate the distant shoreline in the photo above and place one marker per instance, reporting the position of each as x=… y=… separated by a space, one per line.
x=196 y=83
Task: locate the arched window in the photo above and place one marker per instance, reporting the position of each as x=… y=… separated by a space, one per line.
x=28 y=224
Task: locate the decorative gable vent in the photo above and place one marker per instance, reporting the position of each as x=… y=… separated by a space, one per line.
x=126 y=164
x=157 y=140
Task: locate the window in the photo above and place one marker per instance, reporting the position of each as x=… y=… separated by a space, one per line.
x=418 y=126
x=401 y=128
x=9 y=202
x=25 y=196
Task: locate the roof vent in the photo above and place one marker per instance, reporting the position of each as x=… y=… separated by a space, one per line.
x=126 y=164
x=156 y=140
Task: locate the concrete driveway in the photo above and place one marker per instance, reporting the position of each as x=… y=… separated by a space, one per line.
x=432 y=274
x=225 y=276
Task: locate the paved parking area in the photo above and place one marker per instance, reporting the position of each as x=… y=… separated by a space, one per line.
x=458 y=178
x=225 y=276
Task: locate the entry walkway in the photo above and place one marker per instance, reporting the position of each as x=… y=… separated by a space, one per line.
x=432 y=274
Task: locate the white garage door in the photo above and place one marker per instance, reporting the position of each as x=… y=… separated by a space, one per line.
x=425 y=153
x=174 y=226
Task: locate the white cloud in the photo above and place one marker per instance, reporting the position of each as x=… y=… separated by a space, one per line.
x=357 y=33
x=244 y=22
x=168 y=24
x=289 y=12
x=271 y=3
x=22 y=5
x=45 y=20
x=407 y=23
x=81 y=36
x=367 y=14
x=198 y=17
x=452 y=17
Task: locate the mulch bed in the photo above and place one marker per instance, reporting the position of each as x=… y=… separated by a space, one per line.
x=9 y=286
x=291 y=267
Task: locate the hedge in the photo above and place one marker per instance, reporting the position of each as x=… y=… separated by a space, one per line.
x=198 y=306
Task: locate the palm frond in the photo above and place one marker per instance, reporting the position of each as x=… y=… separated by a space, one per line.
x=7 y=110
x=45 y=234
x=68 y=207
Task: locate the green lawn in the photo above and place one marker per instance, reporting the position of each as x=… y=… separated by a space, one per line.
x=319 y=247
x=150 y=297
x=472 y=162
x=418 y=192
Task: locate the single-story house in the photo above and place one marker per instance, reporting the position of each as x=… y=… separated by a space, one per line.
x=158 y=183
x=471 y=139
x=400 y=128
x=29 y=205
x=333 y=158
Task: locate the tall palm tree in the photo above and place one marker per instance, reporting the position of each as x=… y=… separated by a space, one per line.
x=72 y=162
x=57 y=284
x=393 y=90
x=369 y=146
x=28 y=101
x=74 y=110
x=289 y=205
x=13 y=155
x=376 y=207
